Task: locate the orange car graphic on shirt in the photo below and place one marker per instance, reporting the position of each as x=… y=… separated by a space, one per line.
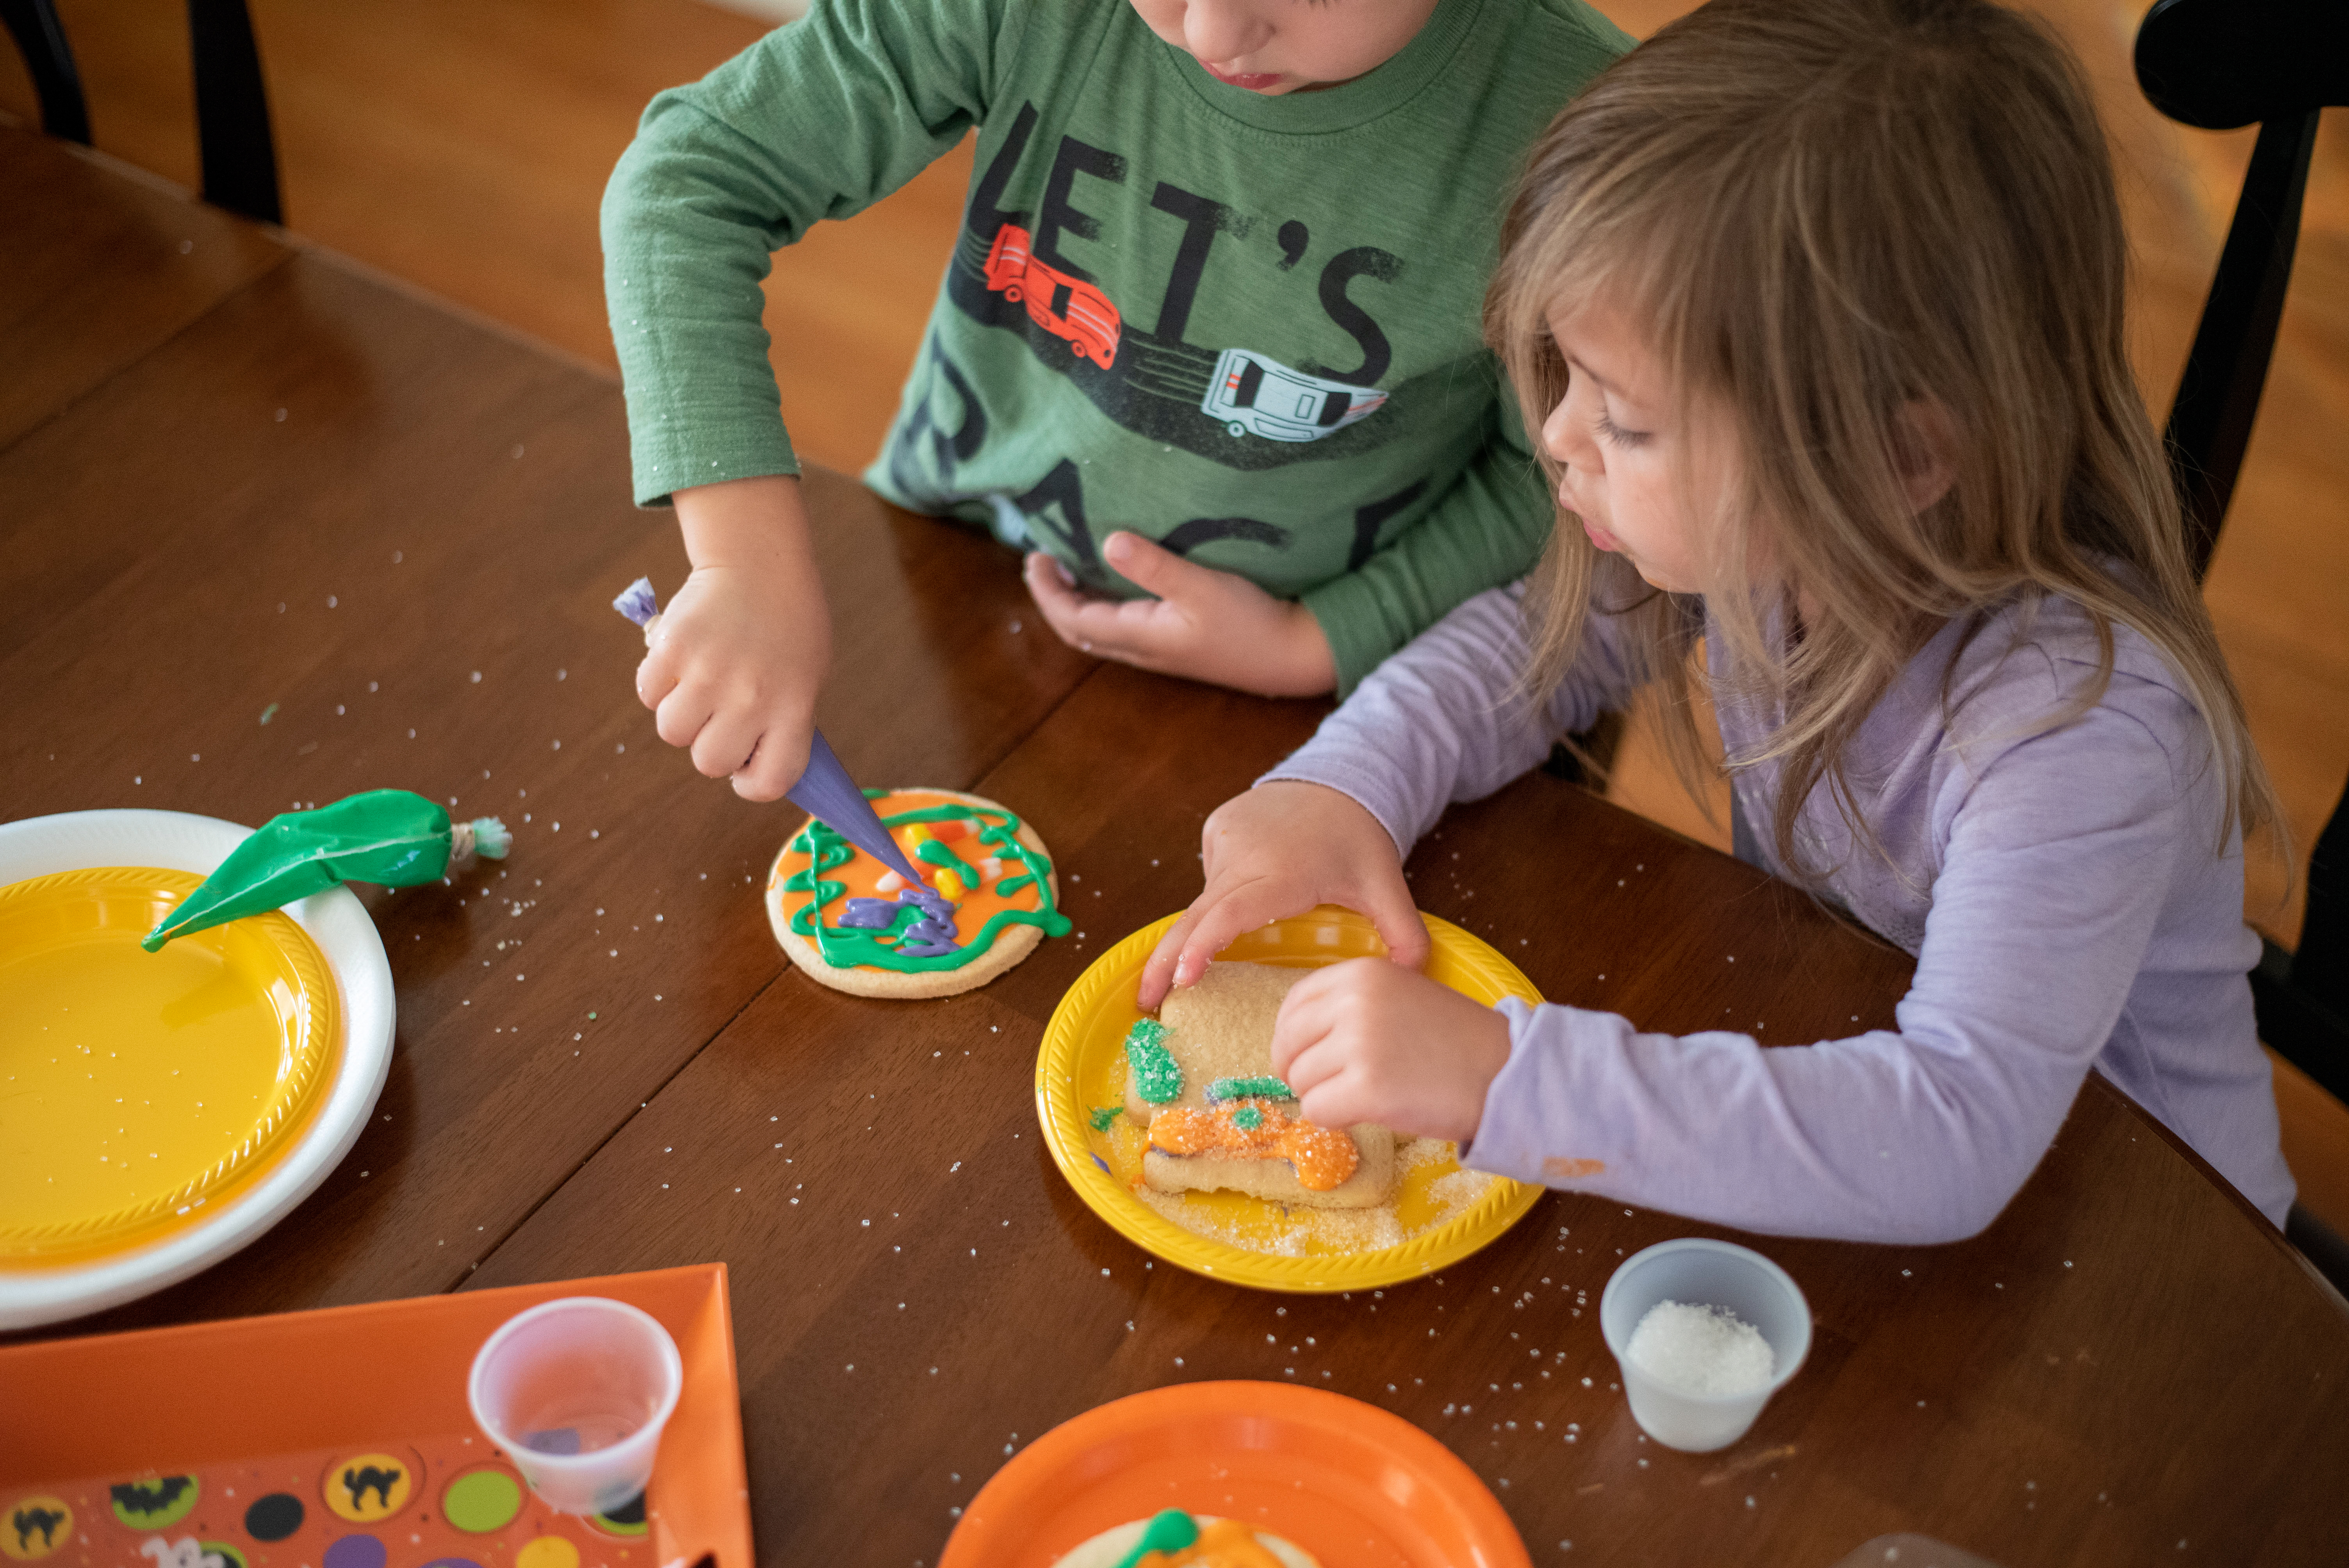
x=1066 y=307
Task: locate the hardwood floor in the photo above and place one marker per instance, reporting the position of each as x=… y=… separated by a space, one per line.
x=463 y=145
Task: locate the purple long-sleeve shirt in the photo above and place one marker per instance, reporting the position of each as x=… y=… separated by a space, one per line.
x=2064 y=893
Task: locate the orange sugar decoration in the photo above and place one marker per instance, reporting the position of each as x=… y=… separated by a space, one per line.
x=1324 y=1157
x=1226 y=1544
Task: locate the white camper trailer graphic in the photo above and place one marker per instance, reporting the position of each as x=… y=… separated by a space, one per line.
x=1254 y=395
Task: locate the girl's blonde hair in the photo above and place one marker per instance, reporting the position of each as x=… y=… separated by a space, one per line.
x=1836 y=219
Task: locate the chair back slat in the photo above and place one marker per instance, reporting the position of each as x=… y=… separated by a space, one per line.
x=2219 y=394
x=48 y=59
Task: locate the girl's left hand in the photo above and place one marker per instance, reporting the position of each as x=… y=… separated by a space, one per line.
x=1210 y=626
x=1367 y=1040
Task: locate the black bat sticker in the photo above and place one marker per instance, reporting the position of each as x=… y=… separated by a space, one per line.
x=150 y=1496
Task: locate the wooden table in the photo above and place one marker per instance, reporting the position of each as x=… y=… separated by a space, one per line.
x=241 y=478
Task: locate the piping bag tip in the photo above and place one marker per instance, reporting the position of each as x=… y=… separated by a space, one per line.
x=487 y=837
x=827 y=793
x=824 y=790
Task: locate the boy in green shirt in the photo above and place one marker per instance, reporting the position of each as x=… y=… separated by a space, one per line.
x=1210 y=332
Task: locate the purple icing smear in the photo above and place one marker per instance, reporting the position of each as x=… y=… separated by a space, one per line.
x=927 y=937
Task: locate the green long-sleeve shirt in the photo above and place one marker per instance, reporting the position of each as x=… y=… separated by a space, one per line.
x=1244 y=326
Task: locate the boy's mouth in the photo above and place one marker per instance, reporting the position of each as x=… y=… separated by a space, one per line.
x=1253 y=81
x=1600 y=537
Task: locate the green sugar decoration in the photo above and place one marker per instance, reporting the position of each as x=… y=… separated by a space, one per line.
x=1156 y=1076
x=1104 y=1114
x=1224 y=1089
x=1248 y=1118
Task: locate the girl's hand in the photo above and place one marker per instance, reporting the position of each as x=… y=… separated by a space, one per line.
x=1277 y=851
x=1210 y=626
x=736 y=659
x=1367 y=1041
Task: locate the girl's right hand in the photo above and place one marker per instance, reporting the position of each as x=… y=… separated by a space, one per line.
x=1280 y=850
x=737 y=658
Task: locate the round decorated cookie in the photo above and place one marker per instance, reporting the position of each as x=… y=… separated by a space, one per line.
x=1175 y=1540
x=853 y=924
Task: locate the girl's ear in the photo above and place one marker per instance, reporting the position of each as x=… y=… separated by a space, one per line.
x=1924 y=451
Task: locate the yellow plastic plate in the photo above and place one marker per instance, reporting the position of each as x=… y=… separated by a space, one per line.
x=139 y=1089
x=1078 y=1069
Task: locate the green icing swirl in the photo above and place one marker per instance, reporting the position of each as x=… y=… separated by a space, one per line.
x=1157 y=1077
x=944 y=859
x=849 y=948
x=1224 y=1089
x=1249 y=1117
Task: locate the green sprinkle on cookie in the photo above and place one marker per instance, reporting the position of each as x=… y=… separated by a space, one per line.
x=1156 y=1076
x=1224 y=1089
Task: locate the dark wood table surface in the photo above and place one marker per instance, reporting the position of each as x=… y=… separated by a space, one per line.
x=238 y=472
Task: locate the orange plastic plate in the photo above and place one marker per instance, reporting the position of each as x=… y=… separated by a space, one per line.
x=1354 y=1485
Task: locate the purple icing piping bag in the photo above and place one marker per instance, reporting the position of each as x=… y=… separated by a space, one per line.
x=824 y=791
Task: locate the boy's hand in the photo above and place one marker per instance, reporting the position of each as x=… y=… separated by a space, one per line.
x=1279 y=849
x=1210 y=626
x=1367 y=1041
x=736 y=660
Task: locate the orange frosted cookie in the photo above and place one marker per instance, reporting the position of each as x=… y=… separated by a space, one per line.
x=853 y=924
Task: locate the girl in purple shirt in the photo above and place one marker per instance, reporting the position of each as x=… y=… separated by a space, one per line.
x=1819 y=306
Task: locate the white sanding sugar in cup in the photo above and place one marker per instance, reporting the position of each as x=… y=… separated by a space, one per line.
x=1739 y=1287
x=1700 y=1349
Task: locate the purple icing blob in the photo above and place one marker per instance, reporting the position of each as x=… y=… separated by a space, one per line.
x=930 y=903
x=927 y=937
x=356 y=1551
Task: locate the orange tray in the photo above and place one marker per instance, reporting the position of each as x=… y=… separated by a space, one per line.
x=341 y=1439
x=1347 y=1481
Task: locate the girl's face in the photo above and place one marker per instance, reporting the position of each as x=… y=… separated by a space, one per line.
x=1275 y=46
x=1639 y=466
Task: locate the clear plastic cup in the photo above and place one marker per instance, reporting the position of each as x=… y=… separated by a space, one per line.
x=1714 y=1274
x=576 y=1391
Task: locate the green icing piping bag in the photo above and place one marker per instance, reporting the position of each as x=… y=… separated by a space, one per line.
x=389 y=837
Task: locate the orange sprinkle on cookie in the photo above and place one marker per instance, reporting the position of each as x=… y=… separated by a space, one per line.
x=1251 y=1129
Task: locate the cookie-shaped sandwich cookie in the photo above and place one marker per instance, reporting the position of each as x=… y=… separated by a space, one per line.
x=855 y=925
x=1178 y=1540
x=1200 y=1078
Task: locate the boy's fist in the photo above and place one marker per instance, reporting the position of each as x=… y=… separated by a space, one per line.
x=734 y=664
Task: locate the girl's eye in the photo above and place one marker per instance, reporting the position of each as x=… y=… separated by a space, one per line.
x=1619 y=436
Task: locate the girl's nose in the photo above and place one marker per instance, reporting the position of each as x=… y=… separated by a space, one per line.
x=1224 y=32
x=1567 y=439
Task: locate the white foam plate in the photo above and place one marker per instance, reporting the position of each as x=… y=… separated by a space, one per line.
x=338 y=923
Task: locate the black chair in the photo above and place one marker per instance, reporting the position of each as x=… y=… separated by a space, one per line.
x=2220 y=65
x=239 y=160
